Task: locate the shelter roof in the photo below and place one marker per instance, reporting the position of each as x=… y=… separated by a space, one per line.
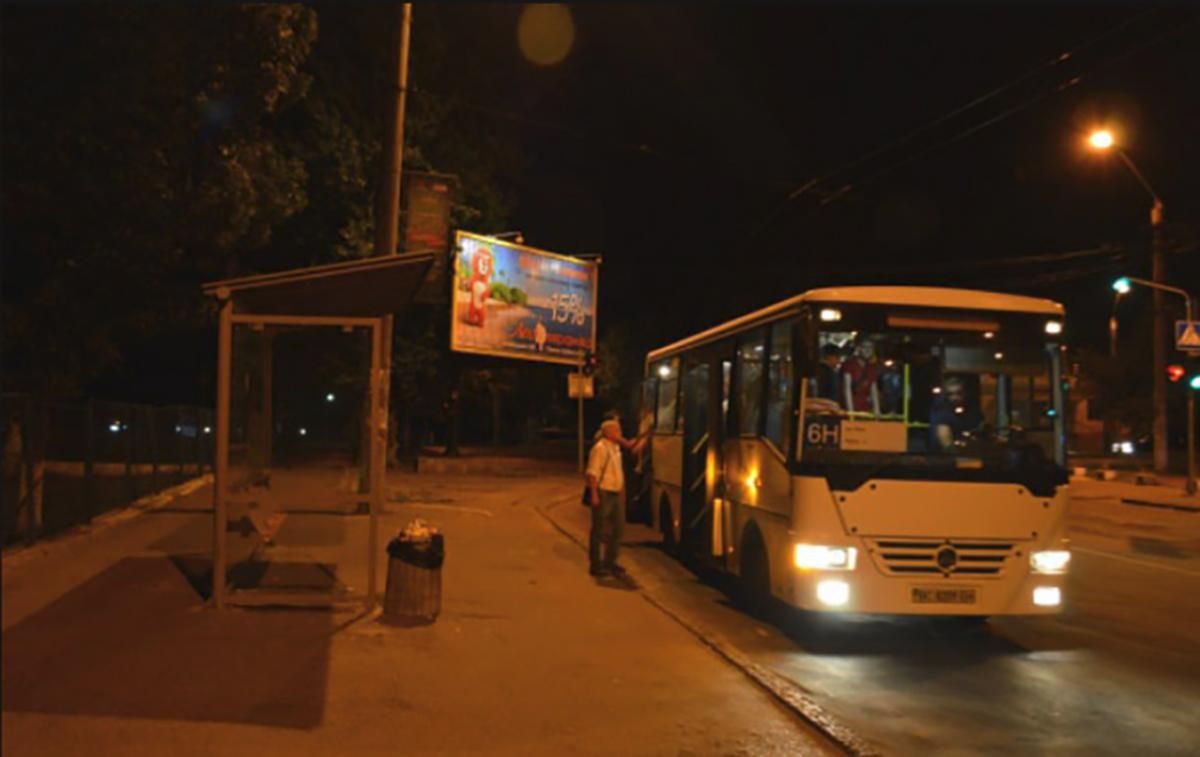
x=365 y=288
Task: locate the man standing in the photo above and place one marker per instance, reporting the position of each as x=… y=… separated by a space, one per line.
x=606 y=481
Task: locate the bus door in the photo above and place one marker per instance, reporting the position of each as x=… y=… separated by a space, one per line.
x=695 y=509
x=722 y=530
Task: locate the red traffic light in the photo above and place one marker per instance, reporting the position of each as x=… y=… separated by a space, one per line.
x=1175 y=372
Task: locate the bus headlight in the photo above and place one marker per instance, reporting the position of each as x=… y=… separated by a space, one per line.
x=1050 y=562
x=822 y=557
x=1053 y=327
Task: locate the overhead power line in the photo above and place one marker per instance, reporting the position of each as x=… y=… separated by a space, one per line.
x=1113 y=252
x=847 y=187
x=971 y=104
x=1006 y=113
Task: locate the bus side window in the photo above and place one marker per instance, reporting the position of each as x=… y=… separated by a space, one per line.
x=779 y=383
x=750 y=383
x=667 y=373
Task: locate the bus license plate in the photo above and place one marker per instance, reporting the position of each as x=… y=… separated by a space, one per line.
x=922 y=595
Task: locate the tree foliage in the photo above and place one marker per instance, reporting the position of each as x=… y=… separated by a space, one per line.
x=140 y=160
x=150 y=148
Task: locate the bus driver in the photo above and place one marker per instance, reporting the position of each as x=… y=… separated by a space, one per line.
x=950 y=415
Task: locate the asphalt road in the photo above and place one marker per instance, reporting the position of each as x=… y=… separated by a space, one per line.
x=1117 y=673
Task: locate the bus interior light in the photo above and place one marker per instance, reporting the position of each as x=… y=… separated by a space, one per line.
x=1047 y=596
x=1050 y=562
x=822 y=557
x=830 y=315
x=833 y=592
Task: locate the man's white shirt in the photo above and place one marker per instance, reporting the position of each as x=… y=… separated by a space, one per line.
x=606 y=457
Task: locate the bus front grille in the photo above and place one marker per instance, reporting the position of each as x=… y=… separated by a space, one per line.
x=947 y=557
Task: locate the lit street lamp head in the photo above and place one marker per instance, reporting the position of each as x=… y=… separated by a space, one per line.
x=1101 y=139
x=1121 y=285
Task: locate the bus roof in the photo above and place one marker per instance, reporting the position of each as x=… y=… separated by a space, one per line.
x=938 y=297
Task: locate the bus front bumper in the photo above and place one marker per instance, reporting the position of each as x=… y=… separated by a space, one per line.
x=867 y=591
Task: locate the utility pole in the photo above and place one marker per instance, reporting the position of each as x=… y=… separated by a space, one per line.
x=1158 y=274
x=386 y=227
x=579 y=414
x=386 y=234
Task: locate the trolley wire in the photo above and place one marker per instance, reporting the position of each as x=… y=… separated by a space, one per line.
x=1004 y=114
x=1063 y=85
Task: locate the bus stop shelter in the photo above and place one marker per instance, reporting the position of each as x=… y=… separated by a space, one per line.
x=359 y=294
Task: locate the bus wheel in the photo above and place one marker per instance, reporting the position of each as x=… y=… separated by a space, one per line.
x=669 y=543
x=755 y=586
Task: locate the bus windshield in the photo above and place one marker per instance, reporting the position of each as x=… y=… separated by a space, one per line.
x=930 y=399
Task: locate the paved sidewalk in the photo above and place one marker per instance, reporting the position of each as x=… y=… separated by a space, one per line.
x=1140 y=488
x=1143 y=522
x=112 y=651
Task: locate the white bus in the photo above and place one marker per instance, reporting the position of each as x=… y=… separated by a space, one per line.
x=896 y=450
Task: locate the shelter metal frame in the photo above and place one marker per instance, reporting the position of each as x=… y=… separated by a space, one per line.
x=351 y=294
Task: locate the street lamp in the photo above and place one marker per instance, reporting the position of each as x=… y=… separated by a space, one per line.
x=1122 y=286
x=1103 y=140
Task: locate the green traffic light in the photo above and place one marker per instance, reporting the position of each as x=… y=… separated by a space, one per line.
x=1195 y=382
x=1122 y=285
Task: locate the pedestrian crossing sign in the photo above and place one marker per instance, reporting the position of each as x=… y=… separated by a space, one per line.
x=1187 y=335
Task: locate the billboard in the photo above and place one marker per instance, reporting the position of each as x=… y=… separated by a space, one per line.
x=514 y=301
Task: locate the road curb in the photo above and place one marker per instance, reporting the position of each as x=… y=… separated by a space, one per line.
x=1161 y=505
x=787 y=693
x=17 y=556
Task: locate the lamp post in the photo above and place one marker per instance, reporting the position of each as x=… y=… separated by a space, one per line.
x=1122 y=286
x=1103 y=140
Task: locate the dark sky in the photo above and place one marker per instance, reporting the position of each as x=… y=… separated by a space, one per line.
x=671 y=137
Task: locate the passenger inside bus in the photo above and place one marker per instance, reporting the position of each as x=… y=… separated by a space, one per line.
x=860 y=374
x=891 y=387
x=952 y=413
x=828 y=372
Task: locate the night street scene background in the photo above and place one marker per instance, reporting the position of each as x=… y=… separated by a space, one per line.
x=712 y=159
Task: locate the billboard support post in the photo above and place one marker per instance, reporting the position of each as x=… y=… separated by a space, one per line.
x=580 y=400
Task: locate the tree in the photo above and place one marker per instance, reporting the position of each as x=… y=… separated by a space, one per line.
x=140 y=162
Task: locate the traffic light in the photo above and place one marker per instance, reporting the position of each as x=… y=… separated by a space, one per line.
x=1175 y=372
x=589 y=363
x=1195 y=383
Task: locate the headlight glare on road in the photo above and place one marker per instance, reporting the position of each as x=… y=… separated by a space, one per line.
x=1047 y=596
x=1050 y=562
x=822 y=557
x=833 y=592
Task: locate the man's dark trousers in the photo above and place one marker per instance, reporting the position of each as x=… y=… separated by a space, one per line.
x=607 y=523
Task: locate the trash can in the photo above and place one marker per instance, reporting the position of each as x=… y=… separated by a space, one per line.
x=414 y=579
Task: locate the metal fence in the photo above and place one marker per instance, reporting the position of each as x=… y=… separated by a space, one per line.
x=65 y=463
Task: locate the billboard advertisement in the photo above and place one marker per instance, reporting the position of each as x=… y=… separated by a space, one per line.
x=516 y=301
